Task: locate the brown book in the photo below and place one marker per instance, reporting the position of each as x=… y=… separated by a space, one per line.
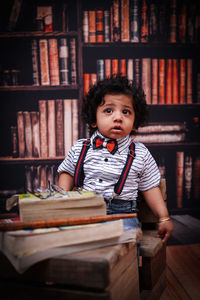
x=161 y=81
x=14 y=141
x=43 y=179
x=144 y=31
x=137 y=71
x=44 y=62
x=175 y=95
x=85 y=26
x=43 y=128
x=28 y=134
x=154 y=81
x=122 y=67
x=116 y=21
x=115 y=66
x=169 y=81
x=86 y=83
x=182 y=22
x=106 y=26
x=108 y=71
x=72 y=52
x=35 y=63
x=173 y=22
x=125 y=27
x=63 y=61
x=21 y=133
x=99 y=26
x=35 y=124
x=188 y=176
x=53 y=62
x=75 y=134
x=179 y=178
x=92 y=26
x=51 y=121
x=146 y=78
x=59 y=127
x=28 y=178
x=67 y=125
x=189 y=81
x=182 y=81
x=130 y=69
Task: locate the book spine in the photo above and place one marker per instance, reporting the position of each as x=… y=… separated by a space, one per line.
x=35 y=133
x=51 y=128
x=106 y=26
x=93 y=79
x=182 y=84
x=137 y=68
x=179 y=177
x=28 y=134
x=175 y=95
x=108 y=71
x=189 y=81
x=160 y=138
x=144 y=34
x=182 y=23
x=153 y=22
x=86 y=85
x=154 y=81
x=173 y=22
x=92 y=26
x=134 y=22
x=169 y=82
x=85 y=26
x=53 y=62
x=14 y=15
x=59 y=127
x=100 y=69
x=63 y=62
x=72 y=50
x=188 y=176
x=115 y=66
x=122 y=67
x=35 y=65
x=21 y=133
x=43 y=128
x=125 y=30
x=161 y=81
x=130 y=69
x=190 y=23
x=67 y=125
x=146 y=78
x=14 y=141
x=43 y=176
x=44 y=62
x=116 y=21
x=74 y=120
x=99 y=26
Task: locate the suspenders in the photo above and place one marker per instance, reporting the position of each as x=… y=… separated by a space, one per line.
x=79 y=174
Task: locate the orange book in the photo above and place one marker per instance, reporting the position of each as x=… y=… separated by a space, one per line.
x=189 y=81
x=107 y=68
x=44 y=62
x=182 y=80
x=169 y=82
x=123 y=67
x=154 y=81
x=99 y=26
x=161 y=81
x=175 y=81
x=115 y=67
x=173 y=22
x=179 y=178
x=130 y=69
x=93 y=79
x=86 y=87
x=125 y=30
x=146 y=78
x=53 y=62
x=92 y=26
x=144 y=23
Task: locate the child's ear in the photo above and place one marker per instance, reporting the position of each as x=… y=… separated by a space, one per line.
x=93 y=125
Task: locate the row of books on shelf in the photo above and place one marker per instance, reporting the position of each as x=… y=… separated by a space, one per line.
x=48 y=132
x=143 y=21
x=54 y=61
x=164 y=81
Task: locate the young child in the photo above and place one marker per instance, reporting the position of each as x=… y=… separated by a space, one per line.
x=110 y=163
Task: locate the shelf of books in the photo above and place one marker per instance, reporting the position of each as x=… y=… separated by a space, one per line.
x=63 y=47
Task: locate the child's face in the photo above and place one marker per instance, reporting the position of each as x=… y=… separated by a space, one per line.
x=115 y=116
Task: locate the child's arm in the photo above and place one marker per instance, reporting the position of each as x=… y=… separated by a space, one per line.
x=155 y=201
x=65 y=181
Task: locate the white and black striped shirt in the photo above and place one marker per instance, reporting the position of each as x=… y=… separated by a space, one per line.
x=102 y=169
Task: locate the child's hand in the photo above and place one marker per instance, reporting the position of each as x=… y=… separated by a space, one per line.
x=165 y=229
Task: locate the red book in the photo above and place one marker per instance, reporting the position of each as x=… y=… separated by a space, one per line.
x=125 y=30
x=123 y=67
x=44 y=62
x=154 y=81
x=53 y=62
x=86 y=83
x=107 y=68
x=175 y=81
x=115 y=67
x=99 y=26
x=144 y=23
x=169 y=82
x=93 y=79
x=92 y=26
x=189 y=81
x=161 y=81
x=182 y=80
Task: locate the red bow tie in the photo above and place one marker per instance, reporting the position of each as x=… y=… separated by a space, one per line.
x=111 y=145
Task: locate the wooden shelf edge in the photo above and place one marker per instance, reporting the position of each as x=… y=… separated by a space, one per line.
x=36 y=34
x=38 y=88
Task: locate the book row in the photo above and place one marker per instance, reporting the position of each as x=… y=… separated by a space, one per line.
x=49 y=132
x=54 y=61
x=143 y=21
x=164 y=81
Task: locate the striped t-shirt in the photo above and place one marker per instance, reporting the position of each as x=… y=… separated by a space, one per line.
x=103 y=169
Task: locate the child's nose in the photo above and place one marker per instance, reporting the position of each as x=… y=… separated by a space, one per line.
x=118 y=116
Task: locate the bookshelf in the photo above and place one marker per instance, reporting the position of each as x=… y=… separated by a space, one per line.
x=167 y=33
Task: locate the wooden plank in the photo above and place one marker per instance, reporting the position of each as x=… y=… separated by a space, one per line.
x=150 y=243
x=189 y=221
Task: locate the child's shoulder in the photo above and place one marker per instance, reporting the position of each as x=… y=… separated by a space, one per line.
x=140 y=147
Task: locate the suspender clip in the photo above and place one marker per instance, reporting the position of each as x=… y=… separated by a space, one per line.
x=131 y=153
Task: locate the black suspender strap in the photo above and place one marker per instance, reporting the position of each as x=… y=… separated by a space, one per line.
x=79 y=173
x=120 y=184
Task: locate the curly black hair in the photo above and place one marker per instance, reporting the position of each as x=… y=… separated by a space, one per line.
x=116 y=84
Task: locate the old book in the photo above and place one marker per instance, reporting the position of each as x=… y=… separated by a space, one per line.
x=130 y=69
x=108 y=71
x=190 y=31
x=182 y=83
x=75 y=134
x=116 y=21
x=188 y=176
x=72 y=52
x=45 y=14
x=71 y=204
x=163 y=20
x=134 y=21
x=146 y=78
x=137 y=71
x=43 y=177
x=43 y=128
x=173 y=21
x=59 y=127
x=35 y=62
x=153 y=21
x=92 y=26
x=28 y=178
x=100 y=69
x=44 y=62
x=53 y=62
x=35 y=124
x=125 y=26
x=93 y=79
x=175 y=82
x=99 y=26
x=115 y=66
x=51 y=128
x=28 y=134
x=144 y=30
x=86 y=83
x=154 y=88
x=67 y=125
x=161 y=81
x=26 y=247
x=164 y=127
x=14 y=15
x=182 y=22
x=160 y=137
x=189 y=80
x=14 y=140
x=85 y=26
x=169 y=81
x=106 y=26
x=122 y=67
x=195 y=176
x=35 y=178
x=21 y=134
x=179 y=178
x=63 y=61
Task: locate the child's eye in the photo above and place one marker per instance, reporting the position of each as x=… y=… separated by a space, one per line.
x=126 y=112
x=108 y=110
